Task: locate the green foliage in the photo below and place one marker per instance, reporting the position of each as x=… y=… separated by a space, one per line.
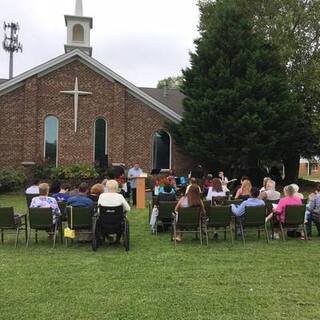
x=171 y=83
x=11 y=179
x=237 y=95
x=77 y=171
x=43 y=171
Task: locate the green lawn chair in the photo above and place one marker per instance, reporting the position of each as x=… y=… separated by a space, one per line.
x=219 y=217
x=236 y=202
x=40 y=219
x=29 y=198
x=294 y=218
x=8 y=222
x=219 y=201
x=255 y=218
x=188 y=220
x=82 y=220
x=166 y=208
x=206 y=204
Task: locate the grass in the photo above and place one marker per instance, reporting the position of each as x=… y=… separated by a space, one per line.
x=156 y=281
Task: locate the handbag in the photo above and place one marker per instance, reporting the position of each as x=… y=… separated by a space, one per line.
x=68 y=232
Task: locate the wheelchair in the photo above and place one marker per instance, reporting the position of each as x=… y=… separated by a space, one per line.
x=109 y=221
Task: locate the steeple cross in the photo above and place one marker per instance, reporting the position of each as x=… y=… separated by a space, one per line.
x=76 y=93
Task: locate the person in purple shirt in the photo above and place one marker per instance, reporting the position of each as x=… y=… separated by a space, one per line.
x=253 y=201
x=81 y=199
x=43 y=201
x=63 y=194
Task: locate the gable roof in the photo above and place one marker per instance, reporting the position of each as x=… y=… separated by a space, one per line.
x=172 y=98
x=66 y=58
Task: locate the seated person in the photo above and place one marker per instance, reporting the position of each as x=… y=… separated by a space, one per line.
x=207 y=183
x=166 y=193
x=191 y=199
x=270 y=192
x=252 y=201
x=81 y=199
x=289 y=199
x=238 y=186
x=264 y=184
x=215 y=190
x=244 y=192
x=43 y=201
x=193 y=182
x=296 y=191
x=63 y=194
x=55 y=187
x=95 y=192
x=34 y=188
x=313 y=211
x=169 y=183
x=112 y=198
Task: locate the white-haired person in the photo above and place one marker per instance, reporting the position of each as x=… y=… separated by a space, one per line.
x=112 y=198
x=296 y=191
x=270 y=192
x=44 y=201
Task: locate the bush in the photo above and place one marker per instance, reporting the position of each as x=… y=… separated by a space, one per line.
x=11 y=179
x=77 y=171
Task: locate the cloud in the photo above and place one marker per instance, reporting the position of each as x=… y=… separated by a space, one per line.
x=143 y=41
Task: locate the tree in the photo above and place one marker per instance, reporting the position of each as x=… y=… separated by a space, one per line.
x=293 y=27
x=171 y=83
x=238 y=104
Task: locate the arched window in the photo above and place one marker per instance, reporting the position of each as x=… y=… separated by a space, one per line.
x=78 y=33
x=161 y=150
x=51 y=128
x=100 y=143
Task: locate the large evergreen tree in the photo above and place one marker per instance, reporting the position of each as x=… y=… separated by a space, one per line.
x=238 y=105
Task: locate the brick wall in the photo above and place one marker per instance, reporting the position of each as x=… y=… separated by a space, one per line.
x=131 y=123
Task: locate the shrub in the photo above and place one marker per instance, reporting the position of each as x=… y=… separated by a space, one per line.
x=77 y=171
x=11 y=179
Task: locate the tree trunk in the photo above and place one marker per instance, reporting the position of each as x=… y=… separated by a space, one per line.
x=291 y=168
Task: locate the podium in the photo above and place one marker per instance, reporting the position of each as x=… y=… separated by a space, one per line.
x=141 y=192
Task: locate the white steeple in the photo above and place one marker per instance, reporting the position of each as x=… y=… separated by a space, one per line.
x=78 y=30
x=79 y=8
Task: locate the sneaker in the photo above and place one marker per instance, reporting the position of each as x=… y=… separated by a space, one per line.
x=275 y=236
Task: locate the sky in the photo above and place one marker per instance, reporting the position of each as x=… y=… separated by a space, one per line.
x=142 y=40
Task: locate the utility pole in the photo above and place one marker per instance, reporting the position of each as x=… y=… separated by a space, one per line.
x=11 y=42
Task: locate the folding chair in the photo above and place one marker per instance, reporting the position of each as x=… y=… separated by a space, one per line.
x=219 y=217
x=294 y=218
x=82 y=220
x=29 y=198
x=255 y=218
x=188 y=220
x=40 y=219
x=8 y=222
x=219 y=201
x=166 y=208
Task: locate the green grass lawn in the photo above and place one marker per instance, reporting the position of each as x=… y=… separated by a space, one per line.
x=156 y=281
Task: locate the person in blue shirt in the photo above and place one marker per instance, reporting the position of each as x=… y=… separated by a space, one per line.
x=63 y=194
x=81 y=199
x=133 y=173
x=253 y=201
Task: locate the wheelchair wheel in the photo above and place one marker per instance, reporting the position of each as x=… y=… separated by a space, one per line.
x=126 y=236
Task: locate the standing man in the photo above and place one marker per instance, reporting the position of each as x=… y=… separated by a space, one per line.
x=133 y=173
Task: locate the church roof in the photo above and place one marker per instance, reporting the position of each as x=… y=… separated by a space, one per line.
x=45 y=68
x=172 y=98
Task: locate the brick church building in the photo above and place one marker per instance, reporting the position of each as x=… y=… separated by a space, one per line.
x=73 y=109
